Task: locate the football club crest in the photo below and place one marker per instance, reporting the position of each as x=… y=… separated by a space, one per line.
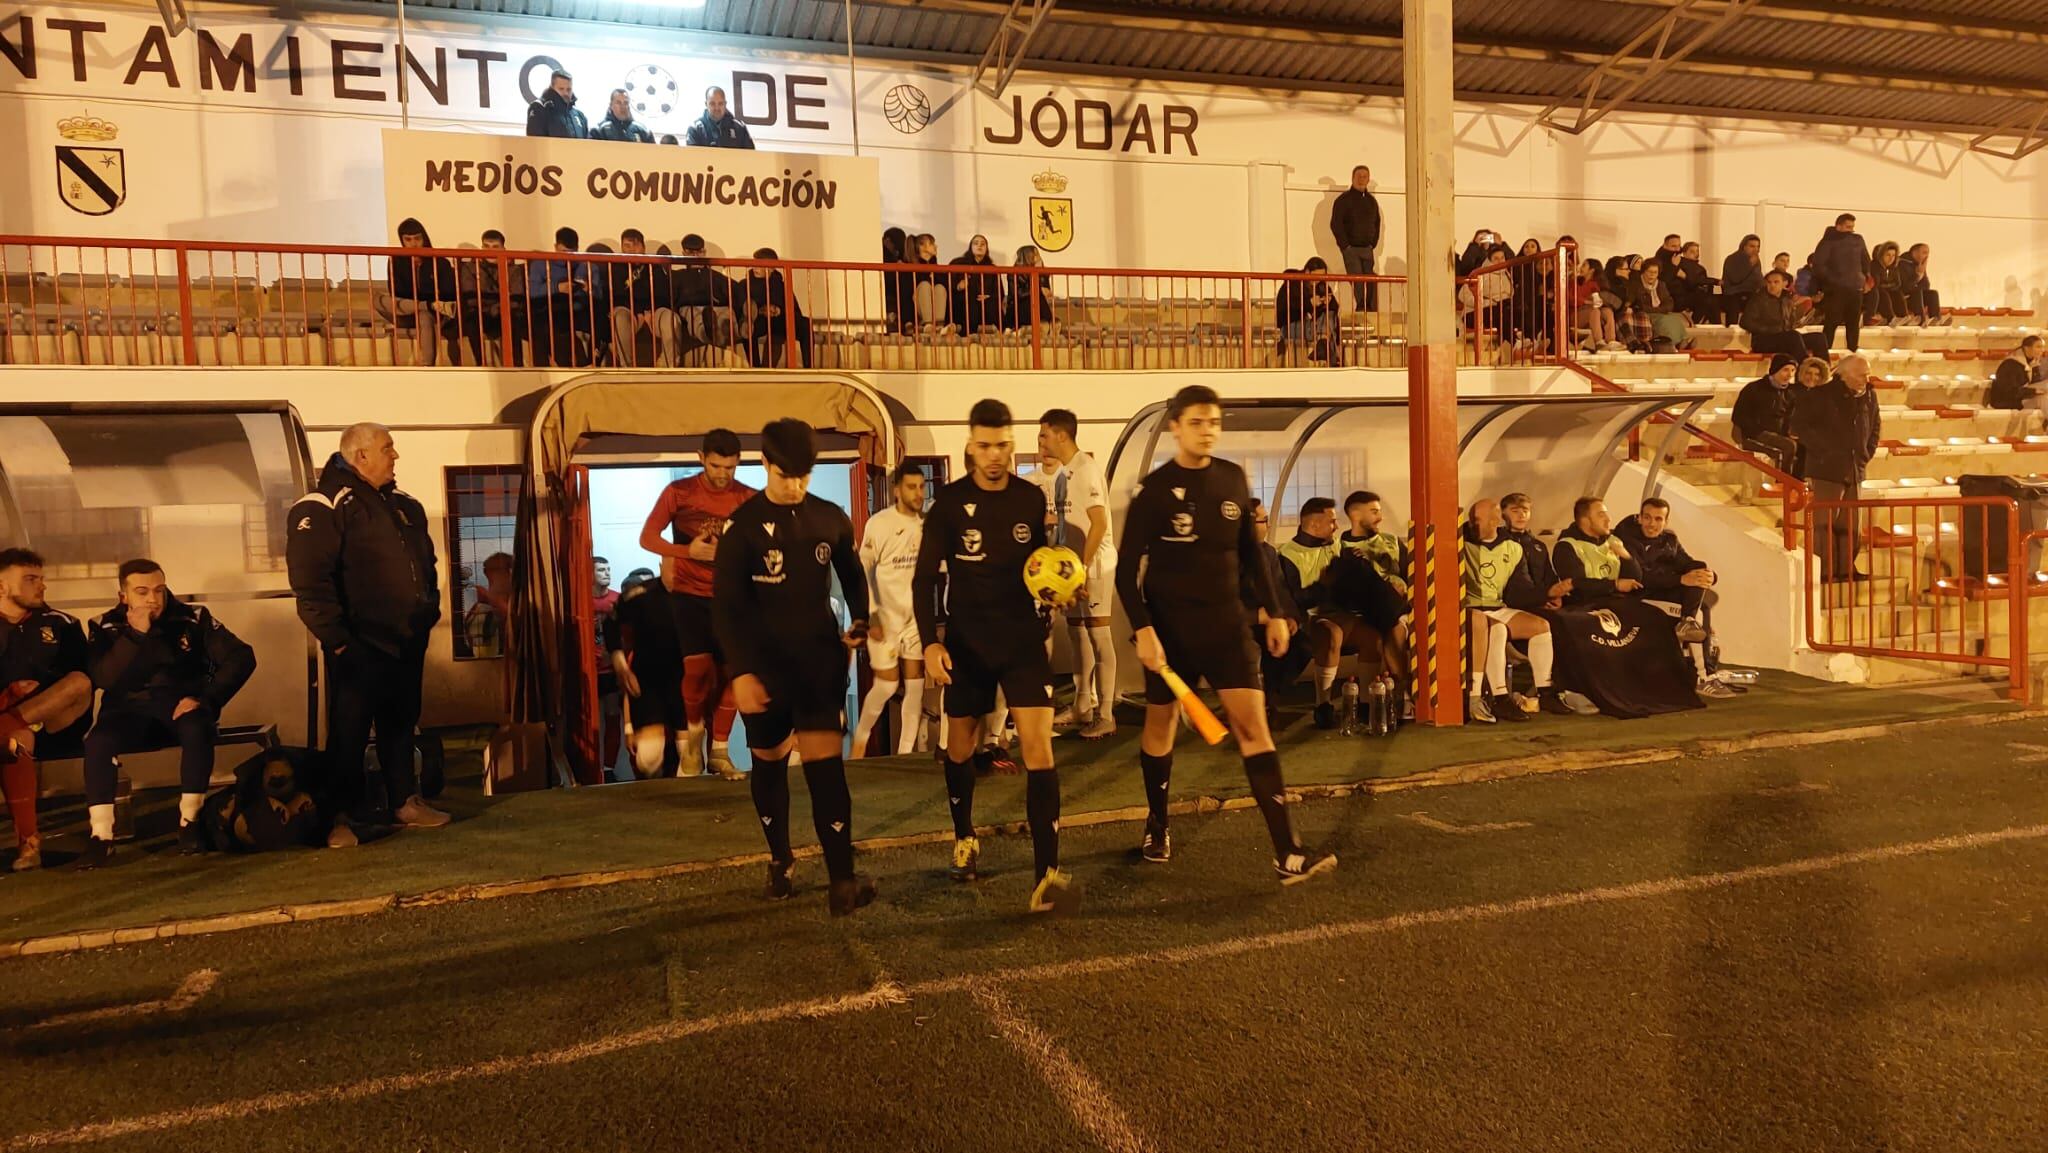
x=1052 y=215
x=90 y=179
x=971 y=540
x=823 y=552
x=772 y=561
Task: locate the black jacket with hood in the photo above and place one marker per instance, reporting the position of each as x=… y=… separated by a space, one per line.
x=1662 y=559
x=1839 y=431
x=728 y=132
x=627 y=131
x=1538 y=572
x=362 y=564
x=553 y=116
x=186 y=653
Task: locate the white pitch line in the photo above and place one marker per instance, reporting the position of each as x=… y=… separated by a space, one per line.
x=1429 y=822
x=2035 y=754
x=890 y=994
x=1091 y=1105
x=195 y=986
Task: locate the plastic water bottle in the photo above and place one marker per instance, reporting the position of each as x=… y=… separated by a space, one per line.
x=1350 y=705
x=1744 y=677
x=1389 y=700
x=1376 y=708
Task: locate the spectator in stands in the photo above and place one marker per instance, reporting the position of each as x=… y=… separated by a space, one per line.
x=1668 y=255
x=1477 y=253
x=483 y=626
x=1306 y=313
x=1677 y=582
x=1593 y=309
x=718 y=128
x=1742 y=276
x=899 y=289
x=554 y=114
x=361 y=559
x=1692 y=287
x=702 y=297
x=1783 y=263
x=483 y=313
x=669 y=138
x=1837 y=425
x=1592 y=558
x=45 y=694
x=1496 y=589
x=1886 y=300
x=1355 y=226
x=1490 y=295
x=977 y=296
x=1763 y=413
x=1024 y=289
x=418 y=288
x=618 y=122
x=2012 y=386
x=1841 y=265
x=642 y=298
x=933 y=301
x=1768 y=319
x=564 y=334
x=1923 y=304
x=1533 y=318
x=774 y=313
x=1658 y=325
x=165 y=670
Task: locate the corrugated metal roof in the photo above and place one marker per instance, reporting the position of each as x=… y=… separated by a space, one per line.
x=1947 y=63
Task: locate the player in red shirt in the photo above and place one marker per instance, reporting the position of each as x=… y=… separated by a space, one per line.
x=605 y=602
x=695 y=511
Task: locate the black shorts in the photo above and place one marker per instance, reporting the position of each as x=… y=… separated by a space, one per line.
x=806 y=693
x=660 y=701
x=694 y=633
x=1013 y=660
x=1223 y=655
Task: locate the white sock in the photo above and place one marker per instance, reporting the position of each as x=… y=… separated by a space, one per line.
x=101 y=818
x=1542 y=654
x=872 y=707
x=1699 y=659
x=1497 y=656
x=1084 y=668
x=188 y=807
x=1324 y=679
x=912 y=715
x=1104 y=647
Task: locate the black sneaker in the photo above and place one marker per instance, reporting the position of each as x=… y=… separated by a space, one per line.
x=190 y=842
x=1506 y=709
x=1301 y=864
x=1548 y=700
x=781 y=880
x=97 y=854
x=1326 y=716
x=853 y=893
x=1157 y=846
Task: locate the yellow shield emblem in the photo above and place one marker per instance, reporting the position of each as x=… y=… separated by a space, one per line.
x=1052 y=222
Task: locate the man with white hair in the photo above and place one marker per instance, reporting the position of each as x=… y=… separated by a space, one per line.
x=363 y=569
x=1838 y=425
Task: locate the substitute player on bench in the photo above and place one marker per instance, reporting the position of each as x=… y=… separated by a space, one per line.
x=982 y=528
x=1188 y=549
x=781 y=640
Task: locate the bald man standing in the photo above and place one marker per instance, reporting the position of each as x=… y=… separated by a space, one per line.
x=364 y=572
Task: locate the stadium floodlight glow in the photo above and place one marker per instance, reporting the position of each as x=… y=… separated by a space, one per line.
x=685 y=5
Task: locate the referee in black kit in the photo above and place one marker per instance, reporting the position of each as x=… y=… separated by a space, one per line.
x=1189 y=552
x=773 y=595
x=980 y=530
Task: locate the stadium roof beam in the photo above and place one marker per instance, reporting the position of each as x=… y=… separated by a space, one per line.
x=1006 y=49
x=1888 y=19
x=1668 y=40
x=2031 y=133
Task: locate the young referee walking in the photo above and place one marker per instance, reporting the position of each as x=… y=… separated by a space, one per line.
x=1189 y=549
x=773 y=593
x=970 y=579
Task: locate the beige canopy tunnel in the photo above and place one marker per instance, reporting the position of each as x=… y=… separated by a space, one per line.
x=554 y=509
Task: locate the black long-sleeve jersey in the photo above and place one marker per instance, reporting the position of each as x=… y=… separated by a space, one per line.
x=1190 y=552
x=982 y=538
x=773 y=582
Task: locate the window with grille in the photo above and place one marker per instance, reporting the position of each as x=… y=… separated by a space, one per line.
x=483 y=515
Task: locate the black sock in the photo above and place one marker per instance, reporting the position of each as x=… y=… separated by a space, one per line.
x=1263 y=771
x=769 y=783
x=960 y=795
x=1042 y=807
x=832 y=812
x=1158 y=775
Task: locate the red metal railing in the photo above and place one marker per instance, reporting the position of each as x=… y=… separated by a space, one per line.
x=1518 y=312
x=72 y=300
x=1922 y=580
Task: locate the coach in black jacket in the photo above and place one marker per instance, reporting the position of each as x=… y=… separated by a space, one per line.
x=364 y=572
x=165 y=670
x=718 y=127
x=554 y=114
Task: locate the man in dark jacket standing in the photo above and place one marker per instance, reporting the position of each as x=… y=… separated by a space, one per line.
x=1763 y=413
x=618 y=124
x=166 y=670
x=1838 y=425
x=718 y=128
x=1355 y=224
x=554 y=114
x=2012 y=386
x=364 y=572
x=1840 y=264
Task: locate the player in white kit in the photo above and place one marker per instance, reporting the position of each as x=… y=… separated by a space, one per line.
x=1077 y=498
x=888 y=551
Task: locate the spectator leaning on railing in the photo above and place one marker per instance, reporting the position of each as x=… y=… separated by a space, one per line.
x=554 y=114
x=703 y=297
x=1024 y=288
x=977 y=296
x=418 y=296
x=1355 y=225
x=618 y=124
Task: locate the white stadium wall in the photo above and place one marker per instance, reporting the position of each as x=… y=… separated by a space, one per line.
x=1161 y=176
